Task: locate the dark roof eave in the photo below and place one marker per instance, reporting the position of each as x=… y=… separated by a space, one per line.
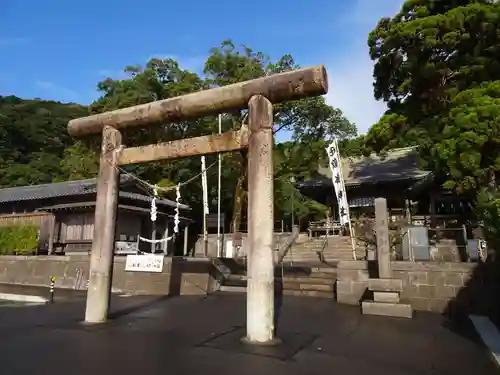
x=80 y=205
x=325 y=183
x=121 y=194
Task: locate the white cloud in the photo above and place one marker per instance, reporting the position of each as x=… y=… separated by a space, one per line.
x=56 y=91
x=351 y=76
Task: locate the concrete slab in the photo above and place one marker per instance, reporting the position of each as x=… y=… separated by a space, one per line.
x=22 y=298
x=489 y=334
x=200 y=335
x=396 y=310
x=387 y=297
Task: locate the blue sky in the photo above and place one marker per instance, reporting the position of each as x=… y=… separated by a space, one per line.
x=59 y=49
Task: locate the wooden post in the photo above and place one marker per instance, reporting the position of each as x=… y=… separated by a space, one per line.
x=103 y=244
x=383 y=246
x=260 y=289
x=164 y=245
x=432 y=210
x=186 y=236
x=52 y=232
x=408 y=210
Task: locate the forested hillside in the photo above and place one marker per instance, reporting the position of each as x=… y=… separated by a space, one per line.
x=33 y=139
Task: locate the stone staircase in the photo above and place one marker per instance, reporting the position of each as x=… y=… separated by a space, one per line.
x=290 y=280
x=335 y=249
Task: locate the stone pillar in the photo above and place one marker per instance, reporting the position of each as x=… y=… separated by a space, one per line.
x=103 y=244
x=260 y=284
x=386 y=290
x=383 y=246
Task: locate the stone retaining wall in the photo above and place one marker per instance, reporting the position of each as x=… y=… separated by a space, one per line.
x=179 y=276
x=427 y=286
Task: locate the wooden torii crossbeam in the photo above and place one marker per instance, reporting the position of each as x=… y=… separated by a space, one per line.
x=257 y=95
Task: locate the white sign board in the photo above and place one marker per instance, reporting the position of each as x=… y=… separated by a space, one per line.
x=144 y=263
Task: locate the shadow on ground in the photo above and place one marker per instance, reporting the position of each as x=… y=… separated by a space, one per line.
x=200 y=334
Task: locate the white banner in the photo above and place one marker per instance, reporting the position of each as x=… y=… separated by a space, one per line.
x=338 y=182
x=144 y=263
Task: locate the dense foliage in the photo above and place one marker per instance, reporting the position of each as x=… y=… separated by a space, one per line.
x=437 y=66
x=35 y=146
x=33 y=139
x=18 y=239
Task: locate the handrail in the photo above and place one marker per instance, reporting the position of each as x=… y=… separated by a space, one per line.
x=321 y=252
x=288 y=244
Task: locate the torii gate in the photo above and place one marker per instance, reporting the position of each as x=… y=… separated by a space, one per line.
x=257 y=95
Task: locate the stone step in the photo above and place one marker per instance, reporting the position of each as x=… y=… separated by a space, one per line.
x=398 y=310
x=308 y=287
x=316 y=258
x=308 y=293
x=326 y=251
x=286 y=292
x=322 y=278
x=309 y=280
x=232 y=289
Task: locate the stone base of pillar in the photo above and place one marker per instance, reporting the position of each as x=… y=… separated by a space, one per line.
x=386 y=299
x=274 y=342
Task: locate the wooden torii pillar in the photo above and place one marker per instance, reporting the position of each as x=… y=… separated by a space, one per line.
x=257 y=95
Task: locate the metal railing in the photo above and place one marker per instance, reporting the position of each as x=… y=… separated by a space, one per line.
x=321 y=251
x=288 y=244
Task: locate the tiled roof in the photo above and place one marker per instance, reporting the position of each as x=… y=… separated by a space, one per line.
x=70 y=188
x=397 y=164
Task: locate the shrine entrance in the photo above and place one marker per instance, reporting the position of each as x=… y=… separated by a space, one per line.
x=258 y=96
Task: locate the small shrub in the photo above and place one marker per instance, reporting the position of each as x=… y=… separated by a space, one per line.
x=18 y=239
x=366 y=234
x=488 y=213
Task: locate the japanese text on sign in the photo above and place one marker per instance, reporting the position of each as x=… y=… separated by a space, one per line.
x=144 y=263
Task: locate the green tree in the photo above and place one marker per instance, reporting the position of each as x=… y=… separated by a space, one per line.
x=78 y=162
x=436 y=63
x=311 y=120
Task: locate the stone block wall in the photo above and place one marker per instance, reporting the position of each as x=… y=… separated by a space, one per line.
x=179 y=276
x=427 y=286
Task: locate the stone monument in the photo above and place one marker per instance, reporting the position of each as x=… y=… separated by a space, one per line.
x=386 y=289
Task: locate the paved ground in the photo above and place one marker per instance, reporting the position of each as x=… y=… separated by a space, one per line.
x=200 y=335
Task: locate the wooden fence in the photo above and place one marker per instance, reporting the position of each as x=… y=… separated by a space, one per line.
x=39 y=219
